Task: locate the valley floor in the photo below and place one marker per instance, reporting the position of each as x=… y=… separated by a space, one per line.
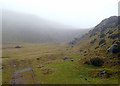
x=45 y=64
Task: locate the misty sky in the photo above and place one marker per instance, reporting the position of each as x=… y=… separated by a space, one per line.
x=78 y=13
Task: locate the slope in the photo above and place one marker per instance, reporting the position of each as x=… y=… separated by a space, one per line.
x=102 y=42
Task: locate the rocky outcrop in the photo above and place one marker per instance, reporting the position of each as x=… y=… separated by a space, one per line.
x=110 y=22
x=114 y=48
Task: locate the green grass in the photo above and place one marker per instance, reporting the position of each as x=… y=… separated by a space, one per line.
x=63 y=72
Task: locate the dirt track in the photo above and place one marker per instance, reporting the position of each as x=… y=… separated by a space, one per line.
x=17 y=76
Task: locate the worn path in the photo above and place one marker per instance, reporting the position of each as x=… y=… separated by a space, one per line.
x=17 y=76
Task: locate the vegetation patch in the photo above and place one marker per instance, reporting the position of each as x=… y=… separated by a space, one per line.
x=96 y=61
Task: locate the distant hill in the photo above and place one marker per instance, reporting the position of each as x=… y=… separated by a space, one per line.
x=96 y=43
x=19 y=27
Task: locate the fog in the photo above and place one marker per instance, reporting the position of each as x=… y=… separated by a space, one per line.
x=52 y=20
x=77 y=13
x=19 y=27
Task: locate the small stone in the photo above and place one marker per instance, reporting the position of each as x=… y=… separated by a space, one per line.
x=102 y=73
x=64 y=58
x=38 y=58
x=72 y=60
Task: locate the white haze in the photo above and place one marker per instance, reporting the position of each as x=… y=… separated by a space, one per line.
x=18 y=27
x=77 y=13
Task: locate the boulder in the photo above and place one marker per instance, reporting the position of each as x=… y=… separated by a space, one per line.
x=102 y=73
x=114 y=48
x=64 y=58
x=71 y=60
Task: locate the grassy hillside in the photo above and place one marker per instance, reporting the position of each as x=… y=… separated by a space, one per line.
x=95 y=44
